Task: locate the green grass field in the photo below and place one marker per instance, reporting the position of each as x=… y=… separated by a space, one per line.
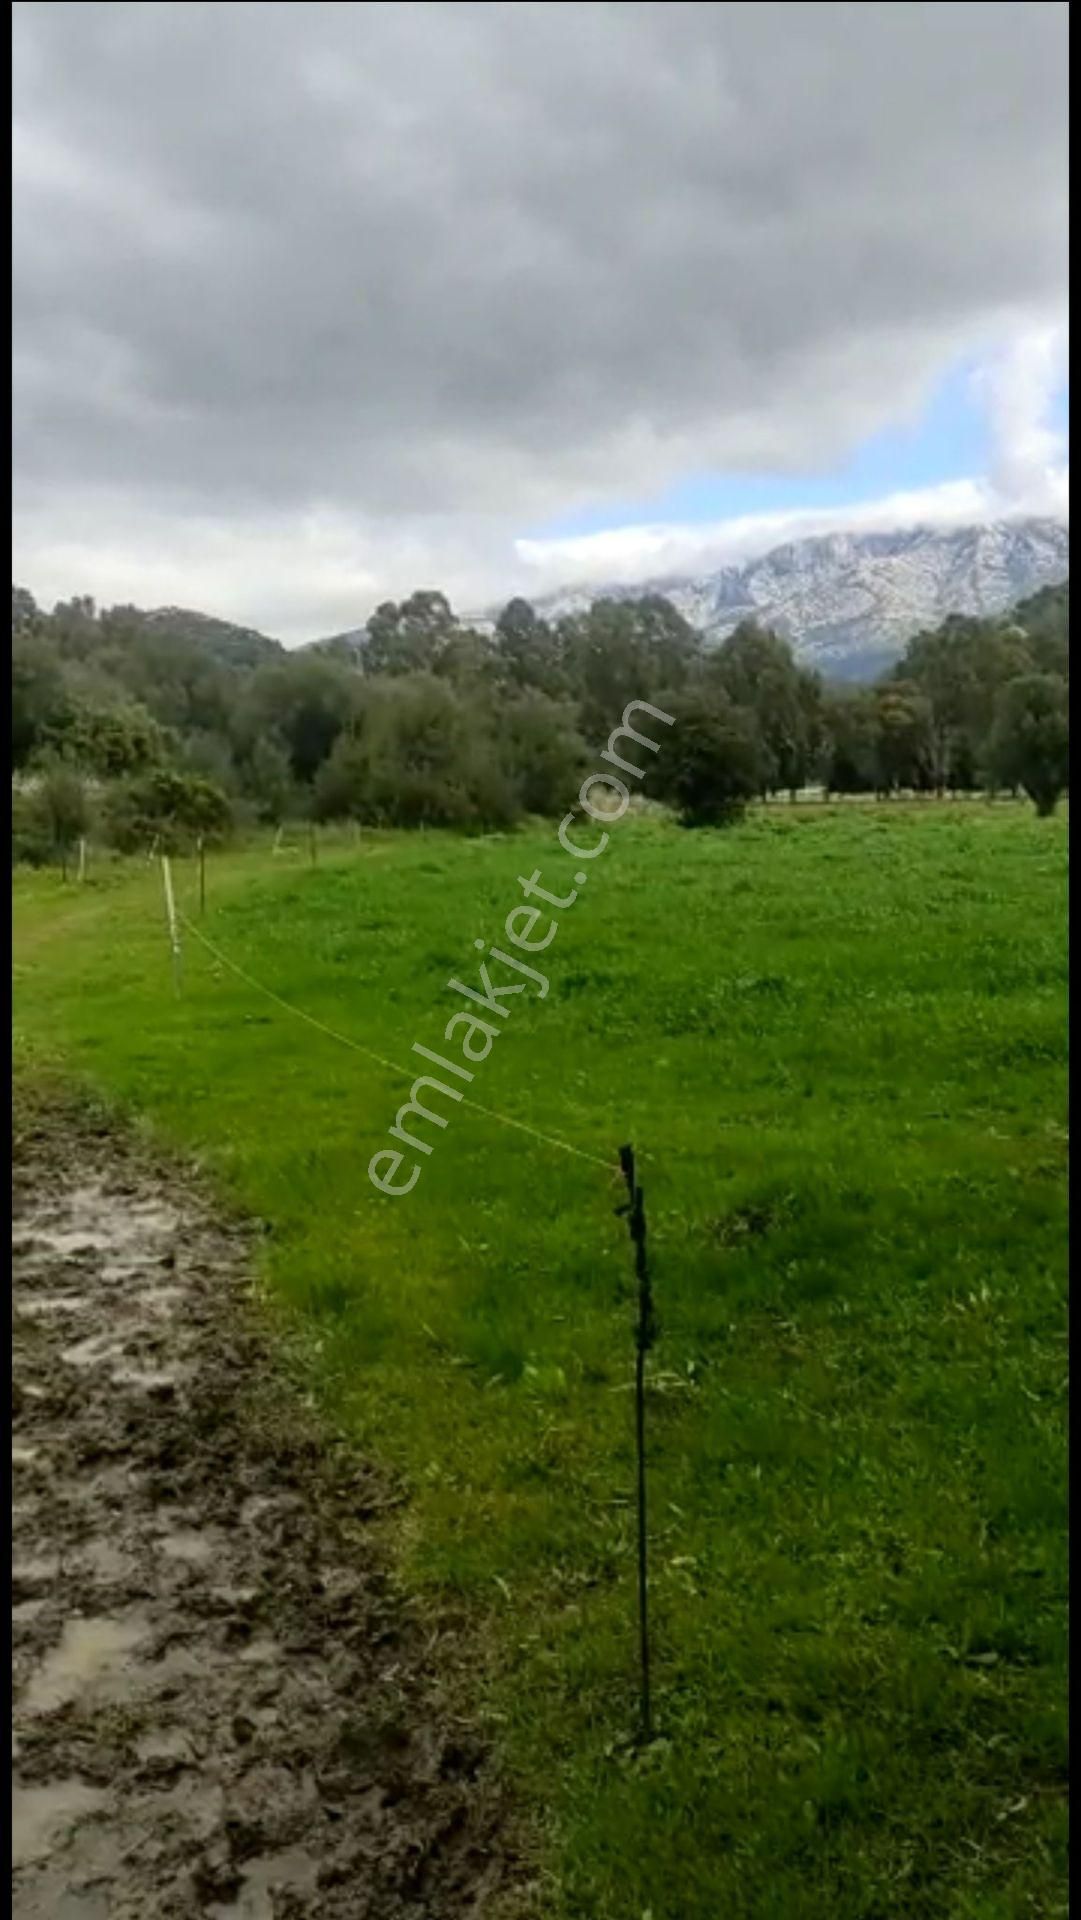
x=837 y=1038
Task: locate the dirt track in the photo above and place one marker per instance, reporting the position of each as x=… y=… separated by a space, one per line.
x=220 y=1705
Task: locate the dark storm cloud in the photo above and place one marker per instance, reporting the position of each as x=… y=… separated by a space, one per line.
x=414 y=260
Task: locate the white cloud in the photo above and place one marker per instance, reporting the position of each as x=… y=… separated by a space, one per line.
x=622 y=556
x=1018 y=387
x=626 y=554
x=1028 y=474
x=312 y=305
x=295 y=576
x=323 y=572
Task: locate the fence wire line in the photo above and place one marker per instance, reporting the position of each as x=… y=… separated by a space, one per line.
x=355 y=1046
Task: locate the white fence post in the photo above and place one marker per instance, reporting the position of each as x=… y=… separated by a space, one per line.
x=170 y=915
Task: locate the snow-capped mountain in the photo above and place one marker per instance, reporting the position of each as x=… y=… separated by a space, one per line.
x=849 y=601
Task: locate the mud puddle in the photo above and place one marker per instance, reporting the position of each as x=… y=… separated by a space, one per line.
x=221 y=1707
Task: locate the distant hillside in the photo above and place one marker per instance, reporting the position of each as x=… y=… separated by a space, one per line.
x=848 y=602
x=172 y=716
x=348 y=647
x=220 y=640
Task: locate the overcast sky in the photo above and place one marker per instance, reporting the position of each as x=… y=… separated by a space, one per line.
x=315 y=304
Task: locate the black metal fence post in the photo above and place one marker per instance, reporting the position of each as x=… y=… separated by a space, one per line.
x=645 y=1335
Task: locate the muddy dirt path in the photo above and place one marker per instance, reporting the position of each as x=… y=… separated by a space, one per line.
x=220 y=1706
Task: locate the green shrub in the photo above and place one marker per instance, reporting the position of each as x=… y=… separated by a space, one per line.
x=170 y=808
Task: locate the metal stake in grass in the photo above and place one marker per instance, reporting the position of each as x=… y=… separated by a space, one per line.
x=646 y=1333
x=171 y=920
x=201 y=843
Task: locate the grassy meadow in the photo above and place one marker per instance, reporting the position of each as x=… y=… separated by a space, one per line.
x=837 y=1038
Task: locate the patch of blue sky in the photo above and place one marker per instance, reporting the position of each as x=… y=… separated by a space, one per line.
x=948 y=440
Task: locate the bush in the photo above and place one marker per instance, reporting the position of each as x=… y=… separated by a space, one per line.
x=1030 y=741
x=113 y=742
x=419 y=754
x=543 y=753
x=716 y=763
x=171 y=808
x=31 y=842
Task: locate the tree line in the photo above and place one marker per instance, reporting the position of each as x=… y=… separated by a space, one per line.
x=171 y=724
